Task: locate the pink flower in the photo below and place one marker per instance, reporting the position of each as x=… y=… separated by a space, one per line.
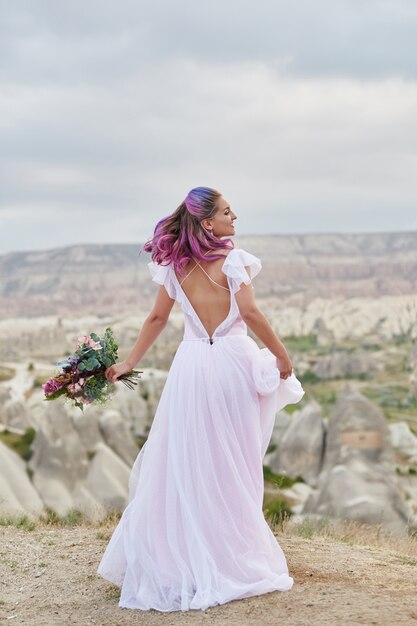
x=74 y=388
x=86 y=340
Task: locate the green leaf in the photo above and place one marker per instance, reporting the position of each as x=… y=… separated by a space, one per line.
x=56 y=394
x=81 y=366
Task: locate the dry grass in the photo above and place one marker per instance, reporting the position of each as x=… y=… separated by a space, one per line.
x=344 y=531
x=349 y=532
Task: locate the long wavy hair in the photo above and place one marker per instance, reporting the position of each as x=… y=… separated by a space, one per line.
x=181 y=237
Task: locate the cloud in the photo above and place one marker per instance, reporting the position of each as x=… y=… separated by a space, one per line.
x=96 y=41
x=109 y=115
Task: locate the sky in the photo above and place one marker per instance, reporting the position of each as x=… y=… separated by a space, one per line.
x=303 y=114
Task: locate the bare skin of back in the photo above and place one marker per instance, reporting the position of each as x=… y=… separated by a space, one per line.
x=210 y=302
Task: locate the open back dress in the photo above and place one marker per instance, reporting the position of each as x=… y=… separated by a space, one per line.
x=193 y=534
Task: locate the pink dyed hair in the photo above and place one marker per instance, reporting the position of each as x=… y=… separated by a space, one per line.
x=180 y=237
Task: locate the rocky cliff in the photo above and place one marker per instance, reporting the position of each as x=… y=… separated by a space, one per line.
x=296 y=269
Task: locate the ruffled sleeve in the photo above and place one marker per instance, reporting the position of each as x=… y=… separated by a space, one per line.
x=234 y=267
x=162 y=274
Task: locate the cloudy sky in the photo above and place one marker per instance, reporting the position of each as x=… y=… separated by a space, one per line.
x=303 y=114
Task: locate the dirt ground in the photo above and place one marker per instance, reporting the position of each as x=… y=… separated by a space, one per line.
x=48 y=577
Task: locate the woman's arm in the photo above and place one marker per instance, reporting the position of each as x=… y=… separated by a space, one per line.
x=152 y=327
x=259 y=325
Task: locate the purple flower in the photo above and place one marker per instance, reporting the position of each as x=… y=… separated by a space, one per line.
x=55 y=383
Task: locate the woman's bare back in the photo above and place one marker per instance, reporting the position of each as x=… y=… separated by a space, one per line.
x=210 y=301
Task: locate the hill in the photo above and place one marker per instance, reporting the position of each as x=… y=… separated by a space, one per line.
x=296 y=269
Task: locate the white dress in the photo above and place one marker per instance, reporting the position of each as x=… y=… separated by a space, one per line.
x=193 y=534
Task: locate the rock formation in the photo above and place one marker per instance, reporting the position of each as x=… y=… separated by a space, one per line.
x=105 y=486
x=341 y=364
x=118 y=435
x=17 y=494
x=404 y=443
x=14 y=414
x=300 y=447
x=79 y=459
x=358 y=481
x=59 y=462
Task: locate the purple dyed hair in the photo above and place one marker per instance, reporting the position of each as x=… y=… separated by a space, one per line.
x=180 y=237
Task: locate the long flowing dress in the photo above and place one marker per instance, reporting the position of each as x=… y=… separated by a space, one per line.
x=193 y=534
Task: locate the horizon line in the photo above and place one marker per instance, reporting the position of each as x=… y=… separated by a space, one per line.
x=289 y=234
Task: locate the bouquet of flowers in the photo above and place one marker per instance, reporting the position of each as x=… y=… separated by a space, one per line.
x=82 y=377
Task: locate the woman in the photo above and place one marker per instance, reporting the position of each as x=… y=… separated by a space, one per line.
x=193 y=534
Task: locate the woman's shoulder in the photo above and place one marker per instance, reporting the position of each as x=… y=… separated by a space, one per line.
x=241 y=265
x=241 y=256
x=163 y=275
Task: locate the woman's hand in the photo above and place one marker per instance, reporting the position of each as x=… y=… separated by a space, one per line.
x=112 y=373
x=285 y=366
